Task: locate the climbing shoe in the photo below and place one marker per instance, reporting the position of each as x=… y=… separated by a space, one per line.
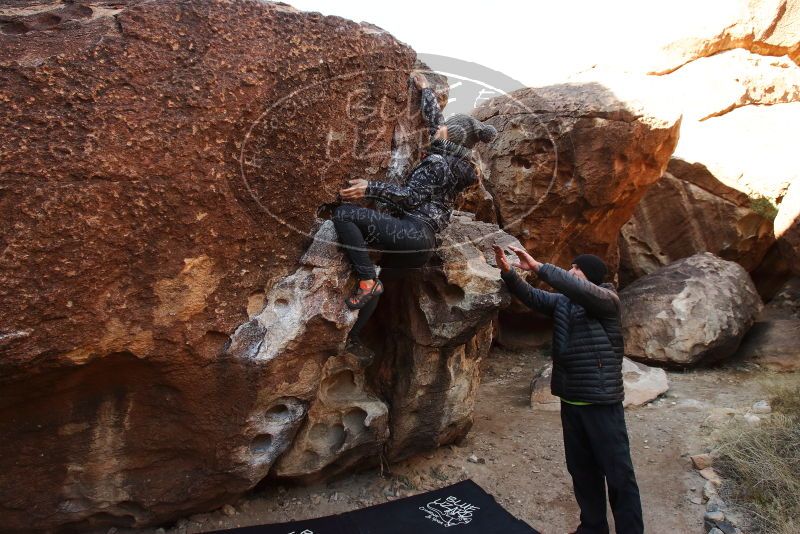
x=362 y=296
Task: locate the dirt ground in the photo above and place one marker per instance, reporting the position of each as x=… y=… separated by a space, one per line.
x=516 y=454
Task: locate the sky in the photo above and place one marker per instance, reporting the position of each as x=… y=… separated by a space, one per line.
x=535 y=42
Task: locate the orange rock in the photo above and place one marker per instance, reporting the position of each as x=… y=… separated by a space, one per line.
x=702 y=461
x=162 y=165
x=688 y=211
x=571 y=162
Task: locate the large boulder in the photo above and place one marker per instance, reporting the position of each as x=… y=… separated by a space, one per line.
x=163 y=164
x=571 y=162
x=691 y=312
x=733 y=69
x=688 y=211
x=433 y=326
x=642 y=384
x=740 y=113
x=735 y=72
x=164 y=338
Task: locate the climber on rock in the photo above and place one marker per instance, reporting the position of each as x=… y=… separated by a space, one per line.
x=587 y=376
x=420 y=209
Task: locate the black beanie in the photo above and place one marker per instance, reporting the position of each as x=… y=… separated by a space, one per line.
x=465 y=131
x=592 y=266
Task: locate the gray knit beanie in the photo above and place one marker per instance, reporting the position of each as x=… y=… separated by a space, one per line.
x=466 y=131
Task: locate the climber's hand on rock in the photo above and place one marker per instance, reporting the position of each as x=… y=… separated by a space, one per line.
x=500 y=259
x=357 y=189
x=526 y=261
x=419 y=79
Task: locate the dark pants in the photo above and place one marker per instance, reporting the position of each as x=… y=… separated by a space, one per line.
x=409 y=241
x=598 y=453
x=404 y=242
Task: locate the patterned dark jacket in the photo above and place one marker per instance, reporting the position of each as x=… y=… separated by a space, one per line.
x=432 y=186
x=587 y=334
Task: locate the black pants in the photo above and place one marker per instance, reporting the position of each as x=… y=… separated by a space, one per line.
x=405 y=243
x=598 y=453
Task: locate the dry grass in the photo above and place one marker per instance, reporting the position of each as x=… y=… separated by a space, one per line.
x=761 y=465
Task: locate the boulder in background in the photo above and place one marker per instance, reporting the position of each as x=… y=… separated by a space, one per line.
x=691 y=312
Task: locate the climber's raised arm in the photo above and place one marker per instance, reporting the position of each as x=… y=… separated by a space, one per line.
x=431 y=112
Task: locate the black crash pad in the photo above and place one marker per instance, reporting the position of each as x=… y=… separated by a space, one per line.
x=462 y=508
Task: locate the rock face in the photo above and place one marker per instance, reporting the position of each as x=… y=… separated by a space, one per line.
x=433 y=327
x=161 y=163
x=765 y=27
x=688 y=211
x=642 y=385
x=747 y=148
x=134 y=439
x=161 y=337
x=571 y=162
x=693 y=311
x=772 y=341
x=715 y=85
x=313 y=409
x=787 y=227
x=346 y=424
x=735 y=69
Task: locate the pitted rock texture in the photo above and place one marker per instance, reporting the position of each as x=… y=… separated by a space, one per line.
x=458 y=297
x=431 y=329
x=155 y=174
x=284 y=397
x=144 y=440
x=688 y=211
x=347 y=424
x=162 y=164
x=571 y=162
x=691 y=312
x=412 y=386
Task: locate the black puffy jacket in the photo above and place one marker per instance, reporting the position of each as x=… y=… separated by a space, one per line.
x=430 y=192
x=587 y=334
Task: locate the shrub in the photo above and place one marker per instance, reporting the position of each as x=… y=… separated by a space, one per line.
x=761 y=466
x=764 y=207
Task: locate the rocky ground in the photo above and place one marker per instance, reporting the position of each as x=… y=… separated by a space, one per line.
x=516 y=454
